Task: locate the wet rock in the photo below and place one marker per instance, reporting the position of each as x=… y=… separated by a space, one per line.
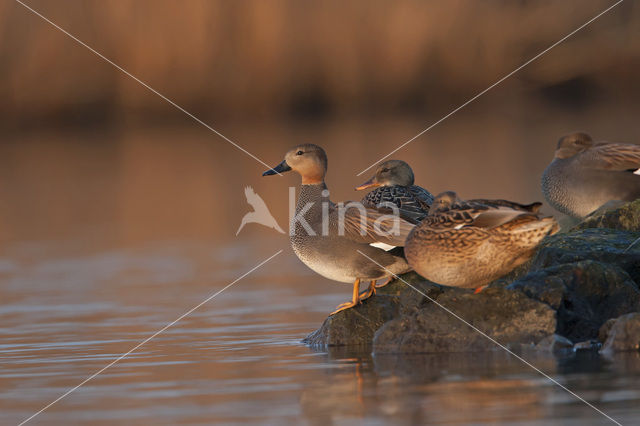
x=504 y=315
x=603 y=333
x=587 y=346
x=602 y=245
x=622 y=216
x=555 y=344
x=356 y=326
x=585 y=295
x=624 y=334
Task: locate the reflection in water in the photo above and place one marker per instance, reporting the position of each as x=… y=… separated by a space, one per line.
x=239 y=359
x=108 y=237
x=464 y=387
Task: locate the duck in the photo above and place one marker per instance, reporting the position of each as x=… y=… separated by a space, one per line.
x=449 y=200
x=344 y=242
x=585 y=175
x=394 y=183
x=470 y=244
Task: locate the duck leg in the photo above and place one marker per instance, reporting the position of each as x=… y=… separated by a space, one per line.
x=355 y=298
x=479 y=289
x=388 y=280
x=370 y=291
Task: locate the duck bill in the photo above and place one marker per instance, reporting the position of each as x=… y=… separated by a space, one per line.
x=280 y=168
x=371 y=183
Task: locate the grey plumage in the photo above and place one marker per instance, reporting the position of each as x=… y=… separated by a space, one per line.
x=584 y=175
x=336 y=240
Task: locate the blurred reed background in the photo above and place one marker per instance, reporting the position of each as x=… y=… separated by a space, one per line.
x=85 y=149
x=301 y=58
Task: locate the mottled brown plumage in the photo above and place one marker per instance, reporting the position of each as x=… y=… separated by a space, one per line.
x=469 y=244
x=393 y=183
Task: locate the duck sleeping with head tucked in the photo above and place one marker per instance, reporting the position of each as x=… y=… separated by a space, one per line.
x=335 y=240
x=471 y=243
x=585 y=175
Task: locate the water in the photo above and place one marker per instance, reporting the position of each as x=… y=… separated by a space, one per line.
x=238 y=359
x=109 y=236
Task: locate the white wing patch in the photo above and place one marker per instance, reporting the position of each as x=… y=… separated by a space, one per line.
x=637 y=172
x=383 y=246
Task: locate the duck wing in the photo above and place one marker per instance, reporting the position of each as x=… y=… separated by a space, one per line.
x=422 y=197
x=612 y=156
x=373 y=226
x=526 y=223
x=413 y=202
x=472 y=213
x=447 y=220
x=532 y=208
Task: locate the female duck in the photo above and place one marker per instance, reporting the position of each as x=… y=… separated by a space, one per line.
x=393 y=181
x=461 y=244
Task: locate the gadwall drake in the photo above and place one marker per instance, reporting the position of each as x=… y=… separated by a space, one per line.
x=393 y=181
x=469 y=244
x=584 y=175
x=335 y=240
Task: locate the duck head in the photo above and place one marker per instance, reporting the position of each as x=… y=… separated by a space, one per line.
x=308 y=160
x=573 y=144
x=443 y=202
x=389 y=173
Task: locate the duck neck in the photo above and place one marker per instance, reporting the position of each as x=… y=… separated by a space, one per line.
x=313 y=195
x=312 y=202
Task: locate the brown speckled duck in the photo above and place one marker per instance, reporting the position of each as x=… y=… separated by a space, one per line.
x=335 y=253
x=584 y=175
x=470 y=244
x=393 y=183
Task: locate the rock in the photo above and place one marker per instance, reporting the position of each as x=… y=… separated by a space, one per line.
x=504 y=315
x=603 y=333
x=356 y=326
x=585 y=295
x=602 y=245
x=624 y=334
x=587 y=345
x=624 y=217
x=555 y=344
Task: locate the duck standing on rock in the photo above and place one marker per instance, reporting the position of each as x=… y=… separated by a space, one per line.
x=469 y=244
x=584 y=175
x=393 y=183
x=335 y=240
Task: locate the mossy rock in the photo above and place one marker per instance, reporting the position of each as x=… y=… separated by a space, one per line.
x=584 y=294
x=625 y=217
x=503 y=315
x=602 y=245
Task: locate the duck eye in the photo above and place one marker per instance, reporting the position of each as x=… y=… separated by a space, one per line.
x=299 y=153
x=385 y=170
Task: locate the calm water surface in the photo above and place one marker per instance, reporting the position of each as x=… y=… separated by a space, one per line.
x=238 y=359
x=107 y=237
